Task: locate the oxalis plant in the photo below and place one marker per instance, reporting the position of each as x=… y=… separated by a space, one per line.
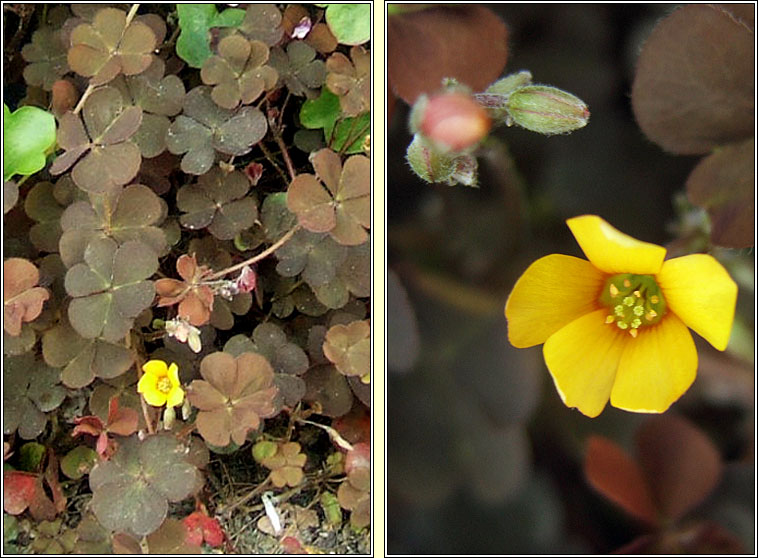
x=187 y=276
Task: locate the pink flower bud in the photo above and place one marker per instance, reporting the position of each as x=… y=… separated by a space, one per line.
x=453 y=121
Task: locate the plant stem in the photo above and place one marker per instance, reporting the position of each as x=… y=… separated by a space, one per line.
x=86 y=94
x=131 y=14
x=246 y=498
x=270 y=158
x=138 y=362
x=268 y=251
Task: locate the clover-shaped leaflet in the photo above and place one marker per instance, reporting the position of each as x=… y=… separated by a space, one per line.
x=343 y=207
x=80 y=359
x=30 y=389
x=194 y=298
x=349 y=348
x=287 y=359
x=233 y=396
x=105 y=158
x=132 y=215
x=103 y=49
x=263 y=22
x=159 y=96
x=239 y=72
x=299 y=69
x=285 y=462
x=354 y=493
x=22 y=299
x=42 y=205
x=46 y=57
x=109 y=288
x=314 y=255
x=204 y=128
x=351 y=81
x=131 y=491
x=218 y=202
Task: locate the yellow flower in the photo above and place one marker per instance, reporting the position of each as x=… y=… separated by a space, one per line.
x=615 y=327
x=160 y=384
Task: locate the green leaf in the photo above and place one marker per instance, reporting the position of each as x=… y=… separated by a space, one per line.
x=131 y=491
x=30 y=456
x=196 y=21
x=352 y=130
x=27 y=134
x=350 y=23
x=321 y=112
x=78 y=462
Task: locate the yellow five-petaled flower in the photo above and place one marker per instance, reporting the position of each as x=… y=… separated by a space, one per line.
x=160 y=384
x=615 y=327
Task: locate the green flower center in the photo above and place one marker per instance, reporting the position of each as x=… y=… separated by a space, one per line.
x=634 y=301
x=164 y=385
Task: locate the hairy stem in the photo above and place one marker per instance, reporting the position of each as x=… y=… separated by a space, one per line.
x=138 y=361
x=267 y=252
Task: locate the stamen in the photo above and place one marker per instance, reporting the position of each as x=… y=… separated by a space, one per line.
x=628 y=301
x=613 y=289
x=621 y=325
x=637 y=294
x=609 y=319
x=638 y=310
x=636 y=322
x=654 y=299
x=633 y=332
x=634 y=301
x=619 y=310
x=650 y=316
x=627 y=283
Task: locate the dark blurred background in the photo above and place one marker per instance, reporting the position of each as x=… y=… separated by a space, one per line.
x=482 y=455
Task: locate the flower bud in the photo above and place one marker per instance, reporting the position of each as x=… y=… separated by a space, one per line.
x=547 y=110
x=495 y=97
x=510 y=83
x=453 y=120
x=436 y=166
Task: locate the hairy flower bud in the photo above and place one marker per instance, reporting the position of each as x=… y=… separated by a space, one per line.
x=436 y=166
x=453 y=120
x=495 y=97
x=547 y=110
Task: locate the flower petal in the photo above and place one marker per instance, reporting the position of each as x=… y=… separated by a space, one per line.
x=582 y=358
x=155 y=368
x=612 y=251
x=656 y=368
x=552 y=292
x=145 y=382
x=175 y=396
x=154 y=396
x=173 y=374
x=699 y=290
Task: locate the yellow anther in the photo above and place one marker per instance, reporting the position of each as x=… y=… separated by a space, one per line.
x=654 y=299
x=619 y=310
x=621 y=325
x=637 y=294
x=638 y=310
x=627 y=283
x=650 y=316
x=628 y=301
x=633 y=332
x=613 y=289
x=636 y=322
x=609 y=319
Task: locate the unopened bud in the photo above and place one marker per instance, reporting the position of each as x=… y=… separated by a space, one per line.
x=436 y=166
x=510 y=83
x=547 y=110
x=454 y=121
x=495 y=97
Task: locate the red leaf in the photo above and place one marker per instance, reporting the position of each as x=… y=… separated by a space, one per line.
x=121 y=421
x=468 y=43
x=254 y=171
x=614 y=474
x=91 y=425
x=201 y=527
x=291 y=545
x=359 y=457
x=18 y=490
x=681 y=464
